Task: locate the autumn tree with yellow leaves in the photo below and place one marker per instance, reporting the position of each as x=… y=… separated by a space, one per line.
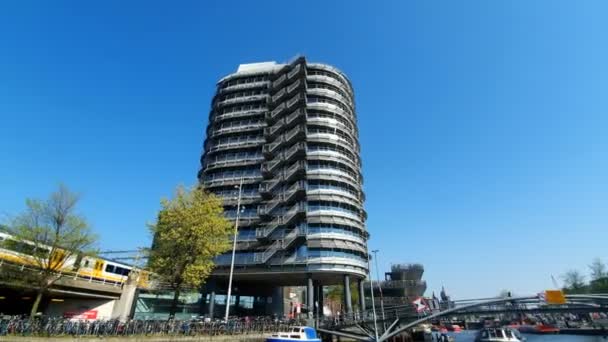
x=190 y=231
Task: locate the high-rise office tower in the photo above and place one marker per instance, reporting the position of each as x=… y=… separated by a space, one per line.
x=289 y=133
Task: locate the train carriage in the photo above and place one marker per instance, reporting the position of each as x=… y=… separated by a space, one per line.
x=29 y=254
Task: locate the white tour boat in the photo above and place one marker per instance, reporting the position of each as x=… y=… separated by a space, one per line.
x=499 y=335
x=306 y=334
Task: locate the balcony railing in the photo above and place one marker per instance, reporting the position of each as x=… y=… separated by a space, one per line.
x=266 y=209
x=279 y=80
x=235 y=129
x=269 y=149
x=244 y=86
x=241 y=99
x=230 y=181
x=240 y=113
x=284 y=123
x=283 y=197
x=295 y=71
x=267 y=187
x=233 y=162
x=293 y=86
x=294 y=150
x=278 y=110
x=278 y=245
x=297 y=168
x=236 y=144
x=285 y=139
x=293 y=100
x=278 y=95
x=283 y=220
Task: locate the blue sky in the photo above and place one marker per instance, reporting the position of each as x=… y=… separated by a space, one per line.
x=482 y=123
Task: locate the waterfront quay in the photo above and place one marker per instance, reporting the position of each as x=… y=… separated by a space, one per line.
x=225 y=338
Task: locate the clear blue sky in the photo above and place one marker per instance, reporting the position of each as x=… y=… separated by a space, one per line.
x=483 y=123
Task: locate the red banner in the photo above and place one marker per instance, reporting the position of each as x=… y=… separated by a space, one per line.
x=90 y=314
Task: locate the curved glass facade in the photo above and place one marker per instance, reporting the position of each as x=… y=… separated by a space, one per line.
x=290 y=132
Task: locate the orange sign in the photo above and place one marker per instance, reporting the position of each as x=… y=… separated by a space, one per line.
x=555 y=297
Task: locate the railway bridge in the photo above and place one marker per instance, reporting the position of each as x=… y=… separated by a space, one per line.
x=71 y=294
x=367 y=327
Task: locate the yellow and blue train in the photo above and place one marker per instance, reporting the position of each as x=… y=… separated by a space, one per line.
x=20 y=252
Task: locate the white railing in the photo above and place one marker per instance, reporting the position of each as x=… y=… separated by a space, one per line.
x=293 y=100
x=244 y=86
x=295 y=70
x=238 y=128
x=279 y=80
x=278 y=110
x=293 y=86
x=222 y=163
x=242 y=99
x=235 y=144
x=278 y=95
x=240 y=113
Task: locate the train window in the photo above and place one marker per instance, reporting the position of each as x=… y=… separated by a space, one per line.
x=121 y=271
x=86 y=263
x=20 y=247
x=110 y=268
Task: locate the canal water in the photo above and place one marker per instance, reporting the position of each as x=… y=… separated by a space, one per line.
x=469 y=336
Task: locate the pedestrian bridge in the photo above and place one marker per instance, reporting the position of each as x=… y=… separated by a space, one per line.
x=398 y=319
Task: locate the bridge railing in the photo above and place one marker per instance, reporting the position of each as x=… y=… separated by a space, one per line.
x=55 y=326
x=402 y=314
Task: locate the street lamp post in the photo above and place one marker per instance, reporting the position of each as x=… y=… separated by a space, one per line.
x=371 y=287
x=236 y=230
x=375 y=251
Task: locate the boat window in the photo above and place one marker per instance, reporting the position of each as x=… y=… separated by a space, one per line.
x=508 y=333
x=294 y=336
x=295 y=330
x=496 y=333
x=484 y=334
x=310 y=333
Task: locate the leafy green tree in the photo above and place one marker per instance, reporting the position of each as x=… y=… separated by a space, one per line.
x=190 y=231
x=335 y=294
x=598 y=269
x=52 y=234
x=574 y=282
x=599 y=276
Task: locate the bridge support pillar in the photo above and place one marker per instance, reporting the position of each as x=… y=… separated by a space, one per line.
x=348 y=304
x=124 y=306
x=310 y=297
x=211 y=303
x=319 y=299
x=361 y=297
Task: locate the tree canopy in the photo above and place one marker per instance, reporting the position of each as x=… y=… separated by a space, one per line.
x=55 y=233
x=190 y=231
x=574 y=280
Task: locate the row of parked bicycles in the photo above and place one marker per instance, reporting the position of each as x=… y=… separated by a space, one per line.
x=58 y=326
